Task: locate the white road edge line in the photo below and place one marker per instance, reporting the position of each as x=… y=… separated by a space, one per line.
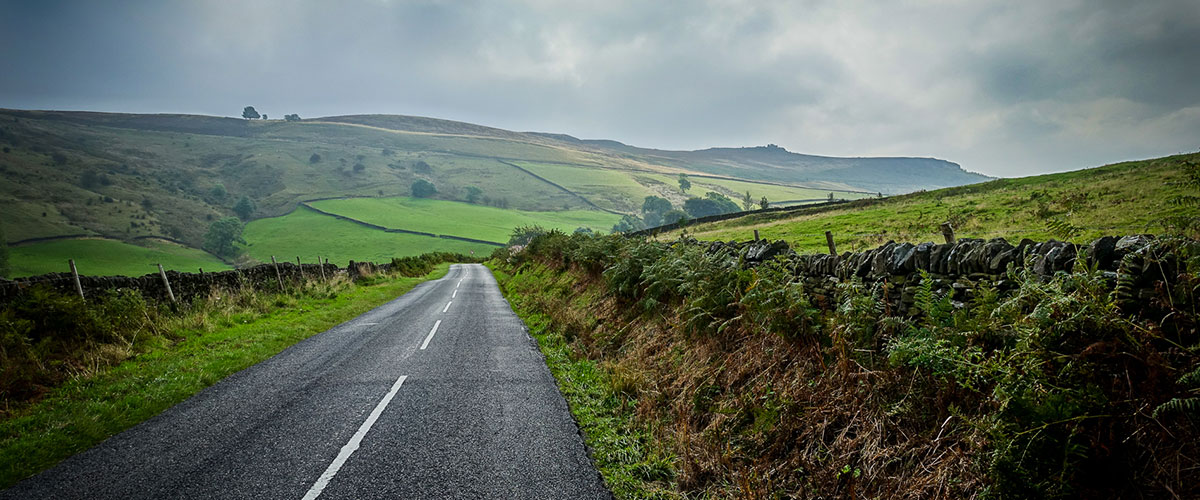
x=430 y=336
x=351 y=446
x=447 y=308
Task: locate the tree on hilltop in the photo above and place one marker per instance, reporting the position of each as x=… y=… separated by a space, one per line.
x=250 y=113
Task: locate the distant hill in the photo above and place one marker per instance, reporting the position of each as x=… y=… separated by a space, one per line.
x=134 y=177
x=889 y=175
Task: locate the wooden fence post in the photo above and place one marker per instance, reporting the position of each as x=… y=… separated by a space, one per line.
x=163 y=274
x=278 y=277
x=948 y=232
x=322 y=267
x=300 y=267
x=755 y=235
x=829 y=240
x=75 y=275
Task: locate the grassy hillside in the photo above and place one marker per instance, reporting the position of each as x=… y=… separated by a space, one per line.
x=624 y=191
x=126 y=177
x=461 y=219
x=309 y=234
x=100 y=257
x=1122 y=198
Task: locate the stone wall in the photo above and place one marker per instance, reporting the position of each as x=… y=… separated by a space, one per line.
x=185 y=286
x=957 y=269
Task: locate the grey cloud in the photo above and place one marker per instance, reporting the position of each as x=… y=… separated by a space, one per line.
x=1007 y=88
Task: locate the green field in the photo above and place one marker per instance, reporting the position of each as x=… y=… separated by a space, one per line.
x=99 y=257
x=1124 y=198
x=624 y=190
x=461 y=219
x=308 y=234
x=610 y=189
x=735 y=190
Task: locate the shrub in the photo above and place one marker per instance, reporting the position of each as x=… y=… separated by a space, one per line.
x=422 y=188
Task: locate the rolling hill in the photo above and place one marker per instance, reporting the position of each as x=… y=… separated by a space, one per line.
x=133 y=179
x=1123 y=198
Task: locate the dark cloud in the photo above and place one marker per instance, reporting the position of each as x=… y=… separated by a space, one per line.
x=1007 y=88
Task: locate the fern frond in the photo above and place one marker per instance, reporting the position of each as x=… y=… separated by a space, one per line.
x=1187 y=406
x=1191 y=379
x=1062 y=229
x=1185 y=200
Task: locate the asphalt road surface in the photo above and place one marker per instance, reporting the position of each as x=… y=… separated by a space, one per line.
x=437 y=394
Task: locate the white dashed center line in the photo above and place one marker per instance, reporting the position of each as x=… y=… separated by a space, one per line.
x=430 y=336
x=354 y=443
x=447 y=308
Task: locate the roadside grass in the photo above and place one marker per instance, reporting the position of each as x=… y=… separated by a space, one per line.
x=208 y=342
x=461 y=219
x=308 y=234
x=101 y=257
x=1123 y=198
x=633 y=463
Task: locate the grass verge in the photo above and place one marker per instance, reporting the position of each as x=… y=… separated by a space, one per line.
x=632 y=462
x=206 y=348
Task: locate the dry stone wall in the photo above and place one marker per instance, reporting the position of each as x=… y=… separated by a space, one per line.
x=185 y=286
x=958 y=269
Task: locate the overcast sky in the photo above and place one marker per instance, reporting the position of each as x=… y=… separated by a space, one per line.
x=1006 y=88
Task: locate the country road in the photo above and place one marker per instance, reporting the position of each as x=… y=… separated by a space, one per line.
x=437 y=394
